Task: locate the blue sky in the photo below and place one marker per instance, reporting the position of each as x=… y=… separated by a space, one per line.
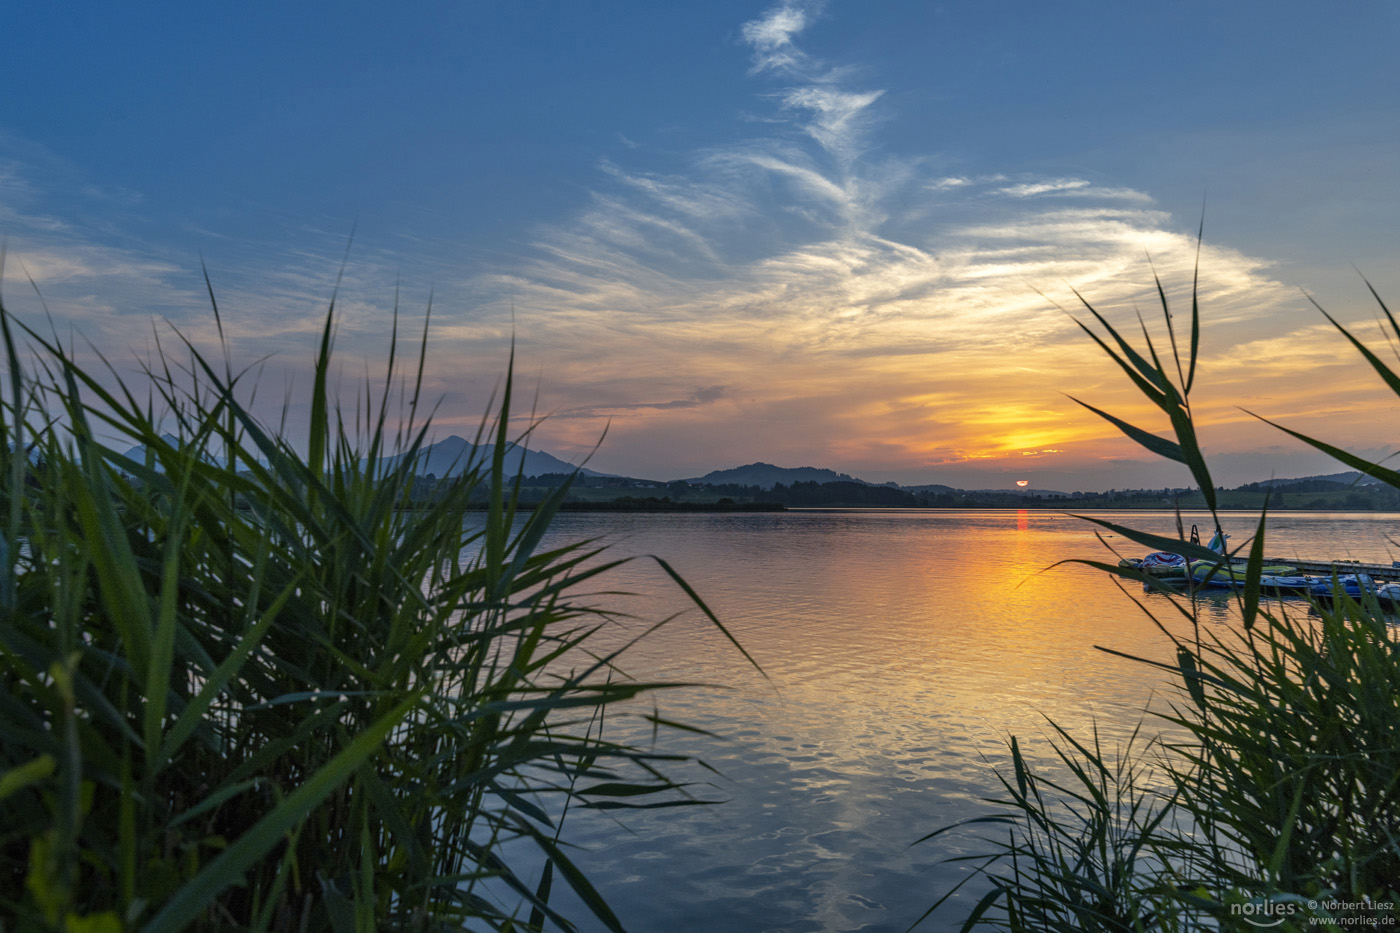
x=830 y=234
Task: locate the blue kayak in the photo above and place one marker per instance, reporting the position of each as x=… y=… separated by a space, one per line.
x=1353 y=585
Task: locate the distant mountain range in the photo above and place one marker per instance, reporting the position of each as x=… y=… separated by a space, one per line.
x=1343 y=479
x=766 y=476
x=138 y=453
x=448 y=457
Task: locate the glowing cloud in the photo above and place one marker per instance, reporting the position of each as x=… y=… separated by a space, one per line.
x=831 y=291
x=804 y=294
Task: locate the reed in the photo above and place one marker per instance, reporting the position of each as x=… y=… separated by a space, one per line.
x=244 y=687
x=1279 y=804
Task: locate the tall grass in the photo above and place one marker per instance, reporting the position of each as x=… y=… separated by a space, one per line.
x=1278 y=803
x=245 y=688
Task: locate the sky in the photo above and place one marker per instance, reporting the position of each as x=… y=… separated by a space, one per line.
x=834 y=234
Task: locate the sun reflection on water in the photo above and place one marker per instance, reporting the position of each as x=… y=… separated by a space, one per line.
x=901 y=650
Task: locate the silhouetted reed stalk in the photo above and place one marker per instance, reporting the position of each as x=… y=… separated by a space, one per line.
x=249 y=688
x=1278 y=807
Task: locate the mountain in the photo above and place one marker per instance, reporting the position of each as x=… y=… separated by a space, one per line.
x=445 y=458
x=1341 y=479
x=449 y=456
x=766 y=475
x=932 y=489
x=138 y=453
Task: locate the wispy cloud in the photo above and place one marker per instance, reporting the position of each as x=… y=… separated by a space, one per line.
x=804 y=294
x=805 y=257
x=701 y=396
x=1045 y=187
x=836 y=117
x=771 y=37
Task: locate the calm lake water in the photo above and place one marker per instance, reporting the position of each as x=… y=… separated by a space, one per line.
x=901 y=649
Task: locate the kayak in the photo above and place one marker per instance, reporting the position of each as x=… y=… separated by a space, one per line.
x=1280 y=576
x=1353 y=585
x=1286 y=584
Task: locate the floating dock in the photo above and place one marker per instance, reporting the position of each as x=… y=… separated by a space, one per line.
x=1383 y=572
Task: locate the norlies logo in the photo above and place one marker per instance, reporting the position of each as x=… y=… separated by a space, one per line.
x=1264 y=913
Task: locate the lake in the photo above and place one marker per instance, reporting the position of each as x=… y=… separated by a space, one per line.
x=901 y=650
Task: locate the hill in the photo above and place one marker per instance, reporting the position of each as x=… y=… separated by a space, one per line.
x=1351 y=478
x=449 y=456
x=766 y=476
x=138 y=453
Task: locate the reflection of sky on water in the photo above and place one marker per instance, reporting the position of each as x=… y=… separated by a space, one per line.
x=901 y=650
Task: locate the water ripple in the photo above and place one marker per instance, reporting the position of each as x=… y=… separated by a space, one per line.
x=901 y=650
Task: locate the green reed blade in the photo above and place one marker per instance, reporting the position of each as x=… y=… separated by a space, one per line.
x=191 y=900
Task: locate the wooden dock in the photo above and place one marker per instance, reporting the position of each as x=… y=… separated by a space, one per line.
x=1340 y=567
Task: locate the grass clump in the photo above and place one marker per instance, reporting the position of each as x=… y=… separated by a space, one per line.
x=242 y=687
x=1275 y=803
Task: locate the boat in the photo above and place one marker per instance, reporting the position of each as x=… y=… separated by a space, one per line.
x=1278 y=576
x=1284 y=584
x=1354 y=585
x=1274 y=579
x=1159 y=564
x=1164 y=565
